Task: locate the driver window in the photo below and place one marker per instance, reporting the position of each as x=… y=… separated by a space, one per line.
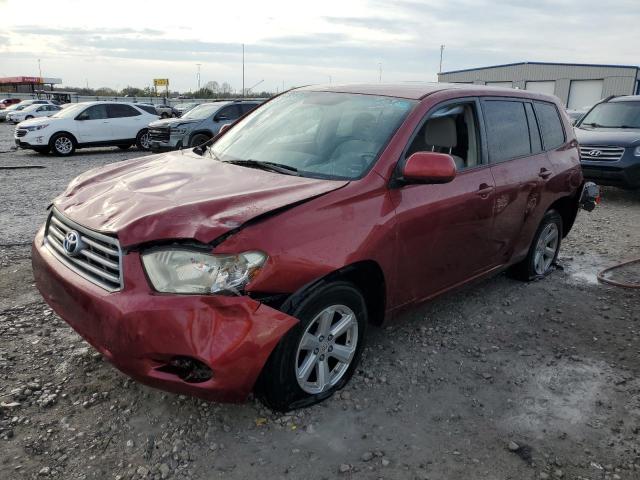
x=96 y=112
x=452 y=129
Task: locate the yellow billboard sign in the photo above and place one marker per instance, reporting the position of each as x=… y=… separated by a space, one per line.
x=160 y=82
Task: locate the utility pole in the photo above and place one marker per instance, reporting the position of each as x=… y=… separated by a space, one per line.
x=329 y=79
x=441 y=54
x=243 y=70
x=379 y=72
x=39 y=69
x=198 y=65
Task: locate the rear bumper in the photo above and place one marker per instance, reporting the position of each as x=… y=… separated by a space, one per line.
x=140 y=331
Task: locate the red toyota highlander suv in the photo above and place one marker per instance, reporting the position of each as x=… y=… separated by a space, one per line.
x=258 y=263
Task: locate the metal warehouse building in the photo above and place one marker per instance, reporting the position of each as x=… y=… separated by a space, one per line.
x=577 y=85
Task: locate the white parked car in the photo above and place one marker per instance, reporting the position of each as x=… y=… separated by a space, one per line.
x=16 y=107
x=32 y=111
x=90 y=124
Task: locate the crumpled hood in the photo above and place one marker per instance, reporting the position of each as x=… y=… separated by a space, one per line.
x=172 y=122
x=180 y=196
x=608 y=136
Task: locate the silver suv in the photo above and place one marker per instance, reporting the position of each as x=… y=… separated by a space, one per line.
x=197 y=125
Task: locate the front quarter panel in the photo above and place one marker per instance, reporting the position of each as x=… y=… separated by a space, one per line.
x=352 y=224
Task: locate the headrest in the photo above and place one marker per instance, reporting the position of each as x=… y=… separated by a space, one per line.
x=441 y=132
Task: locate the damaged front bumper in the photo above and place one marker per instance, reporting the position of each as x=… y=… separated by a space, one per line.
x=155 y=338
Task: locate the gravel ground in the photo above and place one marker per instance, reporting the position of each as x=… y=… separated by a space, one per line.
x=499 y=380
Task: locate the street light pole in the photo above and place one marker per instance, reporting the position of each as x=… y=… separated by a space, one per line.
x=379 y=72
x=243 y=70
x=441 y=53
x=39 y=69
x=198 y=65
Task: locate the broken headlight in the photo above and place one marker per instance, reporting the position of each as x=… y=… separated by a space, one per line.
x=188 y=271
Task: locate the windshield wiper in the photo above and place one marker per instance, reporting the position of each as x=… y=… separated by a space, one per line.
x=270 y=166
x=592 y=124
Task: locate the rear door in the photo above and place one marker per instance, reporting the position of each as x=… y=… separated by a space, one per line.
x=520 y=169
x=93 y=125
x=126 y=121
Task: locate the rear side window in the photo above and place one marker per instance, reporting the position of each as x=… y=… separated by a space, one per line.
x=536 y=142
x=148 y=109
x=119 y=111
x=550 y=125
x=507 y=130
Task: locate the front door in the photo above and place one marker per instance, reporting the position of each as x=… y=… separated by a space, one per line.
x=93 y=125
x=443 y=231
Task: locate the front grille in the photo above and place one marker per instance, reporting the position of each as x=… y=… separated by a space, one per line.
x=601 y=153
x=97 y=259
x=159 y=134
x=20 y=132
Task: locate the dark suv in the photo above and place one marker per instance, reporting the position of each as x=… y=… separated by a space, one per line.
x=609 y=137
x=197 y=125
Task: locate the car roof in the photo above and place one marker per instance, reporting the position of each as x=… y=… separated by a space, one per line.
x=626 y=98
x=419 y=90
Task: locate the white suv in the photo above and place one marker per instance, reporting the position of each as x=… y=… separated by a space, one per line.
x=90 y=124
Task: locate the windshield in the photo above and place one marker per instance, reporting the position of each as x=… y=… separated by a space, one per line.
x=321 y=134
x=70 y=111
x=201 y=111
x=614 y=115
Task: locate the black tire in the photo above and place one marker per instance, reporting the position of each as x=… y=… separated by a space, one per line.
x=527 y=270
x=142 y=139
x=164 y=115
x=62 y=139
x=278 y=386
x=198 y=139
x=124 y=147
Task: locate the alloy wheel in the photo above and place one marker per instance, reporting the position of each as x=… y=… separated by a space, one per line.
x=546 y=248
x=144 y=140
x=326 y=349
x=63 y=145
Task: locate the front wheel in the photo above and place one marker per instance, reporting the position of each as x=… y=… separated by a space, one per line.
x=28 y=117
x=198 y=139
x=63 y=144
x=318 y=356
x=544 y=249
x=142 y=139
x=164 y=115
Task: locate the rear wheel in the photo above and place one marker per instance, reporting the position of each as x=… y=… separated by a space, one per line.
x=142 y=139
x=62 y=144
x=544 y=249
x=198 y=139
x=318 y=356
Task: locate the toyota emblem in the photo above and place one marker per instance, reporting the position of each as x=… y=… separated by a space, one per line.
x=72 y=243
x=595 y=153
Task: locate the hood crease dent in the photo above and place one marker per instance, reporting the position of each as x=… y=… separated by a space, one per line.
x=180 y=195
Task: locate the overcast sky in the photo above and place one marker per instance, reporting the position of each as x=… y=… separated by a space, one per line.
x=118 y=43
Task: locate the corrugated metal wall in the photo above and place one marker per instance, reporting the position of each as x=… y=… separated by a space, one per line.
x=617 y=80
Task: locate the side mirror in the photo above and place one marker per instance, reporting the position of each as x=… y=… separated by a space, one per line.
x=224 y=128
x=429 y=167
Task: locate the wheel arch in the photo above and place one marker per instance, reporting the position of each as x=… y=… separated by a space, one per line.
x=567 y=207
x=73 y=137
x=366 y=275
x=200 y=132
